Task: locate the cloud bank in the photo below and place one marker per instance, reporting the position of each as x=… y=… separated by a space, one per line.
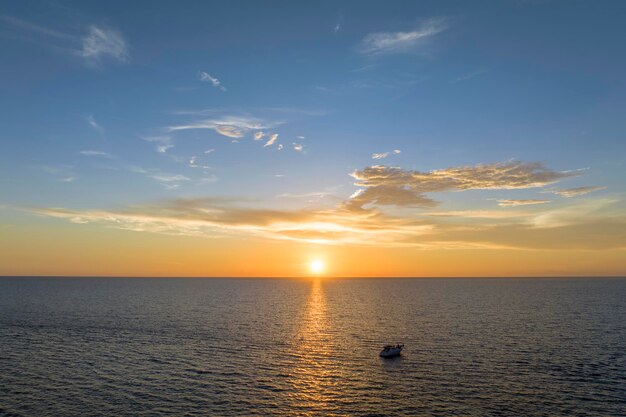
x=587 y=224
x=586 y=227
x=383 y=185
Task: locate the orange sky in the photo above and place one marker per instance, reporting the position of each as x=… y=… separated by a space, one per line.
x=52 y=247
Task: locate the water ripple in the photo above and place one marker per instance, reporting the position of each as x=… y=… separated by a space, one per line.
x=77 y=347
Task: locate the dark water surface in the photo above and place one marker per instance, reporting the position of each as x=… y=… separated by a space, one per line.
x=475 y=347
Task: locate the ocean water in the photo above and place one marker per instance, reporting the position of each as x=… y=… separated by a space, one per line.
x=225 y=347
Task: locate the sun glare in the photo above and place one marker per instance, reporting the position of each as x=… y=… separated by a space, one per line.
x=316 y=266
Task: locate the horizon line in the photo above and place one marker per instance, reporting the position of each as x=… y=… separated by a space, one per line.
x=318 y=277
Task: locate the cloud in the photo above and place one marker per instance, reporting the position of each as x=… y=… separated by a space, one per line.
x=516 y=203
x=280 y=146
x=480 y=214
x=163 y=143
x=96 y=153
x=271 y=141
x=589 y=224
x=92 y=122
x=164 y=148
x=298 y=147
x=567 y=215
x=230 y=126
x=37 y=29
x=259 y=135
x=212 y=217
x=469 y=75
x=312 y=197
x=63 y=173
x=337 y=27
x=92 y=47
x=575 y=192
x=170 y=181
x=384 y=155
x=401 y=42
x=209 y=151
x=193 y=163
x=229 y=131
x=100 y=43
x=393 y=186
x=591 y=227
x=205 y=76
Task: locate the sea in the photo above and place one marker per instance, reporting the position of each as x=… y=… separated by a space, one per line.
x=309 y=347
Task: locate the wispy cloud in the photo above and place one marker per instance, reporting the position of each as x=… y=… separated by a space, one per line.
x=298 y=147
x=163 y=143
x=102 y=43
x=469 y=75
x=575 y=192
x=63 y=173
x=400 y=42
x=93 y=47
x=517 y=203
x=35 y=28
x=272 y=139
x=230 y=126
x=336 y=28
x=259 y=135
x=394 y=186
x=170 y=181
x=384 y=155
x=91 y=121
x=311 y=197
x=206 y=77
x=193 y=163
x=96 y=153
x=164 y=148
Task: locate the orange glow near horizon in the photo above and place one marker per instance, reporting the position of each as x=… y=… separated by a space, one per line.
x=43 y=247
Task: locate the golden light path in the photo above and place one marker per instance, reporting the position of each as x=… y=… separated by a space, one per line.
x=314 y=374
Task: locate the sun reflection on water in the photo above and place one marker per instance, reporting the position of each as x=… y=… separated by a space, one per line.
x=316 y=373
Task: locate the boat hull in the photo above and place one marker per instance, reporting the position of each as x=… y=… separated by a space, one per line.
x=391 y=353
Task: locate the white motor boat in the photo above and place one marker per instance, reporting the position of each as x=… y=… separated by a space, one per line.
x=391 y=351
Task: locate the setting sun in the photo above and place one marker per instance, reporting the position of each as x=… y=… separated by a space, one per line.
x=317 y=266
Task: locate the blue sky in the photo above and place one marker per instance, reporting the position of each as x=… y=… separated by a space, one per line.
x=109 y=105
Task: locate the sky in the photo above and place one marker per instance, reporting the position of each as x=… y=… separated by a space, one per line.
x=375 y=138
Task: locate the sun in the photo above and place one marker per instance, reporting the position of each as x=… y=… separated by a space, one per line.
x=317 y=266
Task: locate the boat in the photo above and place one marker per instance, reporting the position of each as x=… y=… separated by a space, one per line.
x=391 y=351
